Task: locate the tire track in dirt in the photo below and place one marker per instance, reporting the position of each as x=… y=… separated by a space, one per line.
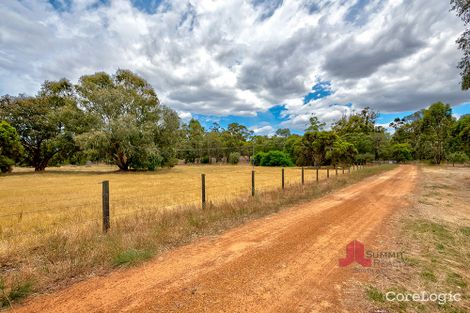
x=287 y=262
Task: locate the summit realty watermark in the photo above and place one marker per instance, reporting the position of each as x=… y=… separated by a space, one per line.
x=369 y=260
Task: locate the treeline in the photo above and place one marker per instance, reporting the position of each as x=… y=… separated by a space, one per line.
x=430 y=134
x=112 y=118
x=118 y=119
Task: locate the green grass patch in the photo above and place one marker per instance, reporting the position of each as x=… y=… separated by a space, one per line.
x=440 y=247
x=465 y=231
x=426 y=227
x=456 y=280
x=410 y=261
x=429 y=275
x=18 y=290
x=132 y=257
x=375 y=295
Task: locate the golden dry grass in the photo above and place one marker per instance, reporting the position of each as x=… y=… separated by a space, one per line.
x=37 y=203
x=63 y=249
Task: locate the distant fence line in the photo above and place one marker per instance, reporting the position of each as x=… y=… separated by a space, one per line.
x=106 y=189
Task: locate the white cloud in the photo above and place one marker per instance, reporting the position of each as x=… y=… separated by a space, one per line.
x=185 y=116
x=263 y=130
x=238 y=57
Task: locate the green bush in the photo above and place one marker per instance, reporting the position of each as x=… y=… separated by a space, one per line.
x=170 y=162
x=205 y=160
x=258 y=157
x=401 y=152
x=6 y=164
x=457 y=157
x=10 y=147
x=363 y=158
x=273 y=158
x=154 y=161
x=234 y=158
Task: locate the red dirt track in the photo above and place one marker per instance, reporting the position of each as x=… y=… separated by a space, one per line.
x=286 y=262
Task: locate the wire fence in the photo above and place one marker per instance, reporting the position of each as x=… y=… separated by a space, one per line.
x=104 y=205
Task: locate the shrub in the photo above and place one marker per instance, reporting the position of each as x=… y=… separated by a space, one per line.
x=258 y=157
x=401 y=152
x=171 y=162
x=363 y=158
x=275 y=158
x=234 y=158
x=10 y=147
x=205 y=160
x=457 y=157
x=154 y=161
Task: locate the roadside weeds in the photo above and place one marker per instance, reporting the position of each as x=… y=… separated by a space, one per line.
x=435 y=238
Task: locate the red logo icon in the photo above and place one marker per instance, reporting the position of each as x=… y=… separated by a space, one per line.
x=355 y=252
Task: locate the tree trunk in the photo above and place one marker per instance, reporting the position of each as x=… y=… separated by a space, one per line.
x=40 y=165
x=122 y=162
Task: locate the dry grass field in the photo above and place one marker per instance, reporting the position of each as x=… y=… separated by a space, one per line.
x=62 y=242
x=33 y=203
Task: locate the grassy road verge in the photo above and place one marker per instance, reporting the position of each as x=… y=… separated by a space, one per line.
x=435 y=238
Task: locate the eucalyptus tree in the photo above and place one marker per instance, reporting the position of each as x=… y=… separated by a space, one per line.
x=130 y=126
x=436 y=126
x=47 y=123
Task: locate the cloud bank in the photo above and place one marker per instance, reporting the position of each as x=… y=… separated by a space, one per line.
x=240 y=58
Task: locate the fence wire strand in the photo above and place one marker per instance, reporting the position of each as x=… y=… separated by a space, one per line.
x=163 y=200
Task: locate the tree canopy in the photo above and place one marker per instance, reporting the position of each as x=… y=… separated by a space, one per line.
x=119 y=119
x=462 y=8
x=47 y=123
x=10 y=147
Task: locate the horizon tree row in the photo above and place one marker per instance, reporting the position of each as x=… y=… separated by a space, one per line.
x=119 y=119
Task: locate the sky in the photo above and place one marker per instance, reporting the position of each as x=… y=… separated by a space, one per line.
x=267 y=64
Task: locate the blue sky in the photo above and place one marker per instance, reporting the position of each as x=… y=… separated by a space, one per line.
x=267 y=64
x=274 y=118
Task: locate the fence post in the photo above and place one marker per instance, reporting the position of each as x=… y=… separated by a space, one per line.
x=203 y=190
x=282 y=178
x=303 y=176
x=342 y=167
x=317 y=174
x=105 y=198
x=252 y=183
x=336 y=170
x=327 y=172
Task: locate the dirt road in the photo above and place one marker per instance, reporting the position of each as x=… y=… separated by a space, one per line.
x=287 y=262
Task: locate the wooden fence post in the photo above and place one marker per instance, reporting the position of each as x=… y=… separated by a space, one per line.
x=203 y=190
x=327 y=172
x=303 y=176
x=282 y=178
x=317 y=174
x=105 y=198
x=252 y=183
x=342 y=167
x=336 y=170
